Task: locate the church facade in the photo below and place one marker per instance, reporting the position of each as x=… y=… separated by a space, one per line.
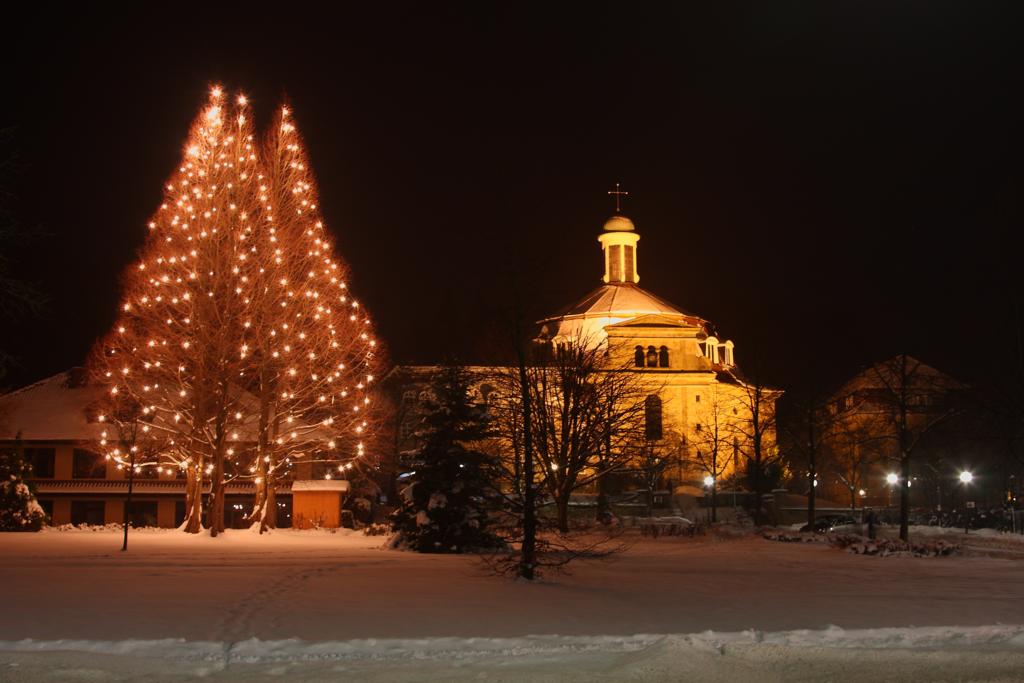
x=697 y=396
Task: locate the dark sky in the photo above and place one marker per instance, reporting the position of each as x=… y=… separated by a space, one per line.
x=828 y=182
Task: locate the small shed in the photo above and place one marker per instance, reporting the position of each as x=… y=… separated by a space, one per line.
x=316 y=503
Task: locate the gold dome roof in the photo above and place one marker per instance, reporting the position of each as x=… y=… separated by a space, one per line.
x=619 y=223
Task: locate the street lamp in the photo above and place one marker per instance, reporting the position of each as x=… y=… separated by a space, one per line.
x=966 y=478
x=709 y=483
x=892 y=479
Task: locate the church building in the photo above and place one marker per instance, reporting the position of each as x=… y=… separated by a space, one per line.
x=698 y=396
x=697 y=400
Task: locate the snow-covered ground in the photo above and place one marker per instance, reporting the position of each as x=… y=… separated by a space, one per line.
x=319 y=606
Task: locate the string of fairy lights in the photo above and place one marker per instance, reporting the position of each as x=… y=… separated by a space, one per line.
x=237 y=329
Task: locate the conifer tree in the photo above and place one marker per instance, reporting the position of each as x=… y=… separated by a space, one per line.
x=19 y=510
x=239 y=351
x=444 y=507
x=309 y=341
x=173 y=354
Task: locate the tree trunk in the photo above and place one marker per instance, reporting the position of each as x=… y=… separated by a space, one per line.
x=217 y=497
x=128 y=500
x=528 y=560
x=270 y=515
x=217 y=491
x=194 y=497
x=259 y=501
x=562 y=505
x=217 y=484
x=812 y=470
x=603 y=508
x=811 y=502
x=905 y=496
x=714 y=502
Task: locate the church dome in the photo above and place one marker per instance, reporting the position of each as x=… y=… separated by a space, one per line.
x=619 y=223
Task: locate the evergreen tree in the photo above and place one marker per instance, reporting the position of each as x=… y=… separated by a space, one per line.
x=444 y=507
x=240 y=349
x=19 y=510
x=173 y=355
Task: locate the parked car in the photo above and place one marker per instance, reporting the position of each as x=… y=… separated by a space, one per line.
x=834 y=524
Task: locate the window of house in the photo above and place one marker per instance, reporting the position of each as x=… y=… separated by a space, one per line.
x=698 y=398
x=629 y=264
x=663 y=357
x=88 y=512
x=652 y=357
x=143 y=513
x=88 y=465
x=41 y=460
x=652 y=418
x=638 y=356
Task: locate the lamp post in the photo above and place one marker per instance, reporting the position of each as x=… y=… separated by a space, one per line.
x=966 y=478
x=891 y=479
x=709 y=484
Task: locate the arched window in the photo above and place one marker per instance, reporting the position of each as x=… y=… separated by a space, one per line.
x=638 y=356
x=652 y=418
x=652 y=357
x=711 y=347
x=663 y=357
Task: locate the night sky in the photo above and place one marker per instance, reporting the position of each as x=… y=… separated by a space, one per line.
x=829 y=185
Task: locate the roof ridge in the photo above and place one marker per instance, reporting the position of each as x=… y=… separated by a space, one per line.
x=34 y=384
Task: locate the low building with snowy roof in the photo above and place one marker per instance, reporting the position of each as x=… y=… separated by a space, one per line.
x=56 y=426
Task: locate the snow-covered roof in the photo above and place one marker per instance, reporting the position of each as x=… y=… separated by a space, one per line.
x=610 y=304
x=620 y=300
x=321 y=485
x=53 y=409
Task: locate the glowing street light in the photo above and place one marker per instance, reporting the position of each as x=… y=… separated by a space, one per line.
x=966 y=478
x=892 y=479
x=709 y=483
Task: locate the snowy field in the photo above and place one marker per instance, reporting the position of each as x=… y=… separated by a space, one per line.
x=322 y=606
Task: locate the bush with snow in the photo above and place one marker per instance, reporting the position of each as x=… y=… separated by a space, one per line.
x=884 y=547
x=19 y=509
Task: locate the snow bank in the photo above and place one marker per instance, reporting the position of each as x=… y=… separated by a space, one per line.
x=953 y=653
x=1010 y=637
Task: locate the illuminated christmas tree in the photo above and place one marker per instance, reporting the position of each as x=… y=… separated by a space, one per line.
x=309 y=342
x=172 y=359
x=239 y=351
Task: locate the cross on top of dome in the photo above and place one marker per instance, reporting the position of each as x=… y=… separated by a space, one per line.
x=618 y=193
